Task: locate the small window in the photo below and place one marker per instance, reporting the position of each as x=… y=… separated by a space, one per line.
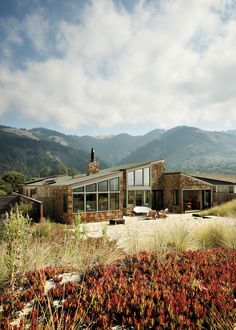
x=131 y=178
x=139 y=198
x=78 y=203
x=176 y=197
x=139 y=177
x=80 y=189
x=114 y=201
x=91 y=202
x=146 y=176
x=91 y=187
x=131 y=197
x=114 y=184
x=147 y=198
x=102 y=202
x=231 y=189
x=103 y=186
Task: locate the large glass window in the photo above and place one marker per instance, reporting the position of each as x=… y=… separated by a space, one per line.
x=131 y=178
x=138 y=177
x=114 y=201
x=91 y=202
x=114 y=184
x=146 y=176
x=78 y=203
x=103 y=186
x=102 y=202
x=95 y=197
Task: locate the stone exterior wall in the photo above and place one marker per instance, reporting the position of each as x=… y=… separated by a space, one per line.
x=180 y=182
x=157 y=171
x=93 y=167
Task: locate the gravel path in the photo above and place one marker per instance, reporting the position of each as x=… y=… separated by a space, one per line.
x=137 y=229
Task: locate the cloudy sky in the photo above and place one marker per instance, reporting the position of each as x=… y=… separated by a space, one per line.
x=103 y=67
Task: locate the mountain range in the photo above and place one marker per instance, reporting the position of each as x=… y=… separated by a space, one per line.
x=44 y=152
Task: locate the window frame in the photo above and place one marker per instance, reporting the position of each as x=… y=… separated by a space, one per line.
x=111 y=189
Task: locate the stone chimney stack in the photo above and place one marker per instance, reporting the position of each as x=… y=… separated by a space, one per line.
x=93 y=166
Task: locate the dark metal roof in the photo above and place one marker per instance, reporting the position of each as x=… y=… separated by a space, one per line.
x=83 y=178
x=217 y=178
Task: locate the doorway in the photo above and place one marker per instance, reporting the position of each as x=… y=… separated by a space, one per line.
x=206 y=199
x=157 y=200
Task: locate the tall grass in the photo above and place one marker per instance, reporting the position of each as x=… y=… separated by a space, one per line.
x=172 y=236
x=182 y=237
x=224 y=210
x=49 y=244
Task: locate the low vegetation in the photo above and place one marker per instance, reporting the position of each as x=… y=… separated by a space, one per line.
x=169 y=287
x=224 y=210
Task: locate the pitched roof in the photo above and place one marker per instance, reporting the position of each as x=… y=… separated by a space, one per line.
x=216 y=178
x=71 y=180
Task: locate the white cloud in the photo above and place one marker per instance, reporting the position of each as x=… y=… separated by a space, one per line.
x=164 y=65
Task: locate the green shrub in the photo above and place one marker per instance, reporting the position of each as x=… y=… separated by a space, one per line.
x=15 y=232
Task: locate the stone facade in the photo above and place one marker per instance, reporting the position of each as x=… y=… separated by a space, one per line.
x=157 y=170
x=176 y=191
x=93 y=167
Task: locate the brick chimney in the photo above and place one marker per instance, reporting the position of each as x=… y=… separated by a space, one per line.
x=93 y=166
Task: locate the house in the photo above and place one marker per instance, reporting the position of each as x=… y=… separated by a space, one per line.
x=8 y=202
x=224 y=186
x=100 y=195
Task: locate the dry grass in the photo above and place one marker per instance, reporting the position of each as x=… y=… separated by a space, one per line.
x=214 y=234
x=57 y=245
x=182 y=237
x=224 y=210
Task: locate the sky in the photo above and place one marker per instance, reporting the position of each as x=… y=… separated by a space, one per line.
x=103 y=67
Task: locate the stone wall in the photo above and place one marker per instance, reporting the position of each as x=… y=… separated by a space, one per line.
x=157 y=170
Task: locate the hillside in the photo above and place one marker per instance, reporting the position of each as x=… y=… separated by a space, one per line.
x=183 y=148
x=190 y=149
x=112 y=148
x=35 y=157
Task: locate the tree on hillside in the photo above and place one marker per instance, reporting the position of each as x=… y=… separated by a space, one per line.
x=5 y=187
x=59 y=169
x=45 y=172
x=13 y=178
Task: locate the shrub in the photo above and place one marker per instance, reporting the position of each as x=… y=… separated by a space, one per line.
x=182 y=291
x=15 y=232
